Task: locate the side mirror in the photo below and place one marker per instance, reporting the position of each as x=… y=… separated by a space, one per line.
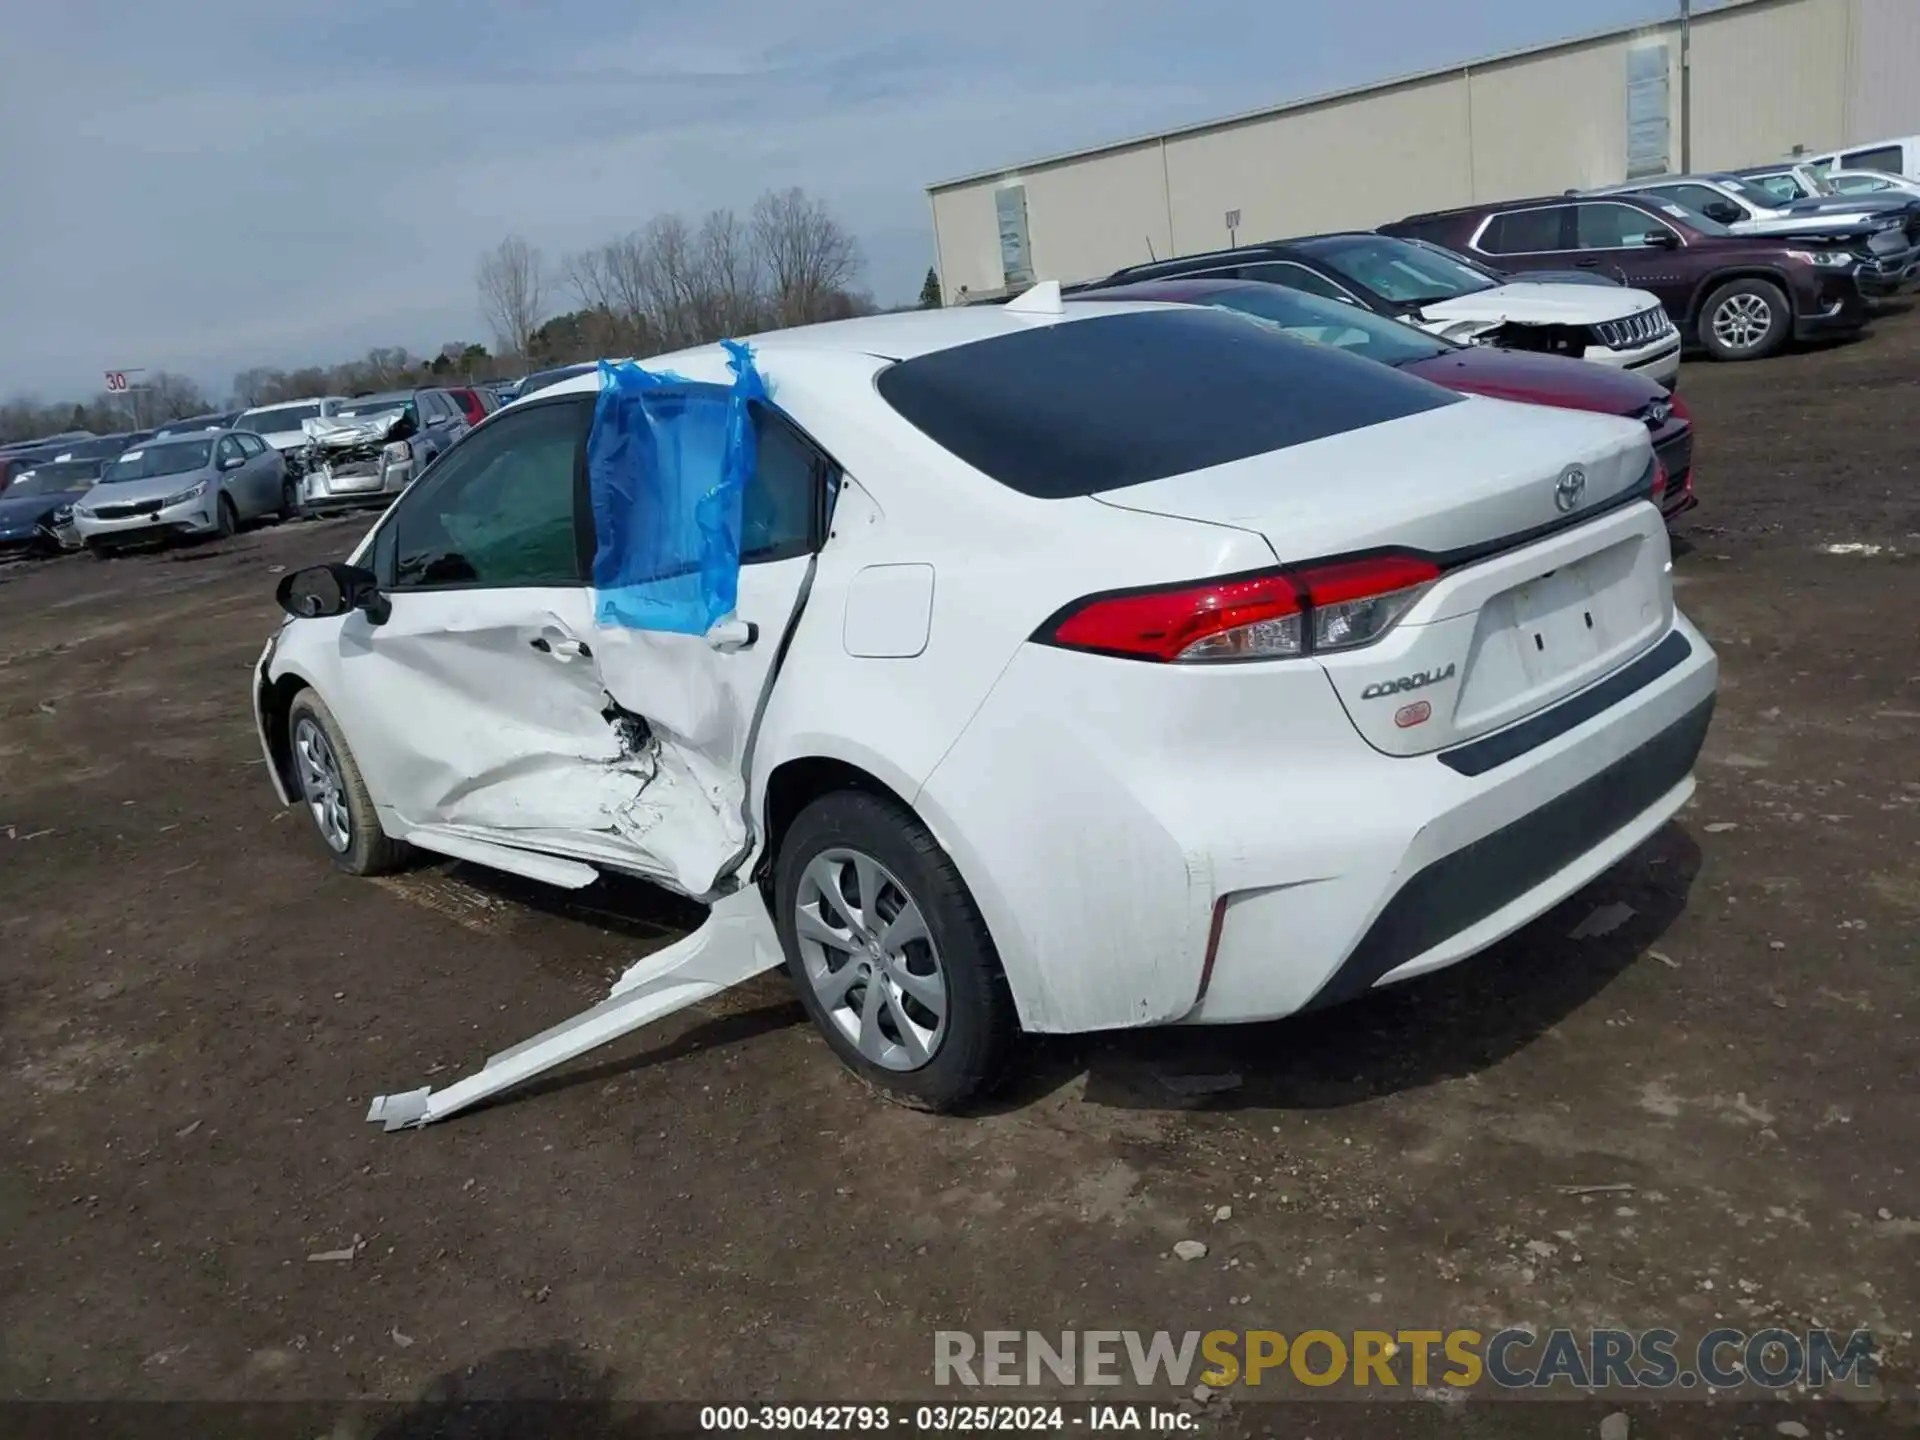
x=233 y=462
x=320 y=591
x=1662 y=239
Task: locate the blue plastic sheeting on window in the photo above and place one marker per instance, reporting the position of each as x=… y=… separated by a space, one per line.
x=668 y=462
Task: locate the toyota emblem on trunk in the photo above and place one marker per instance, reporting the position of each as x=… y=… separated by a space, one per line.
x=1571 y=486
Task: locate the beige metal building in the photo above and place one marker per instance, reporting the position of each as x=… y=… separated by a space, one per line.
x=1769 y=77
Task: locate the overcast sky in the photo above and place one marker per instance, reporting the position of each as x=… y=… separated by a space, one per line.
x=203 y=185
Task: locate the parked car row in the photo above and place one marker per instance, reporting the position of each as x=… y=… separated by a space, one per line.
x=211 y=474
x=1734 y=264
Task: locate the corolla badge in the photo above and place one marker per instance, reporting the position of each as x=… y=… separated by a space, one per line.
x=1570 y=489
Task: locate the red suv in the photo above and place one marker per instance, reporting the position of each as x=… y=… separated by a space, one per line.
x=471 y=403
x=1472 y=369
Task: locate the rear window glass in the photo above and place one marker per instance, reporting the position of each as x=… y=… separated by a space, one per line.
x=1092 y=405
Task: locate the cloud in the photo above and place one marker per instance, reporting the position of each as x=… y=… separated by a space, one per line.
x=212 y=184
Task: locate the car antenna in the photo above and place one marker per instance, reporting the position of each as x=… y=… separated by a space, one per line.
x=1042 y=299
x=1150 y=255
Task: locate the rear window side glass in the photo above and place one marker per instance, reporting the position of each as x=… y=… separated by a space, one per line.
x=1525 y=232
x=1085 y=406
x=1889 y=158
x=1295 y=277
x=782 y=498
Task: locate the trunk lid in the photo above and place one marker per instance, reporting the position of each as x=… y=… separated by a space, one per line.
x=1533 y=603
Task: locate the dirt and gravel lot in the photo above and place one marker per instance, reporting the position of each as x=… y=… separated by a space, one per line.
x=195 y=1008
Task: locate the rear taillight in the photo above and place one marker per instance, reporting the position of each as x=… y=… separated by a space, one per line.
x=1679 y=408
x=1659 y=480
x=1355 y=602
x=1273 y=615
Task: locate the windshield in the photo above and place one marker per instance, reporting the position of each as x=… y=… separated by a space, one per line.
x=1330 y=322
x=1687 y=215
x=104 y=448
x=278 y=421
x=191 y=423
x=52 y=479
x=541 y=379
x=369 y=405
x=1404 y=273
x=1751 y=193
x=176 y=458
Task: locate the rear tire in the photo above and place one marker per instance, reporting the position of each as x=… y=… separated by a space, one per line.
x=334 y=794
x=289 y=501
x=1745 y=320
x=915 y=1004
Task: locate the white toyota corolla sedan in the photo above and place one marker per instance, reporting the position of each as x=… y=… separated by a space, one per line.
x=1091 y=666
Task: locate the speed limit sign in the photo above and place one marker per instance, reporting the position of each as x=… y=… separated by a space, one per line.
x=116 y=381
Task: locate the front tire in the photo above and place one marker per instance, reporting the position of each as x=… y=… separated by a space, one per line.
x=229 y=518
x=334 y=793
x=889 y=953
x=1745 y=320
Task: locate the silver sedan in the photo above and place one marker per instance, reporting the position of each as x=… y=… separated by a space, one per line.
x=184 y=486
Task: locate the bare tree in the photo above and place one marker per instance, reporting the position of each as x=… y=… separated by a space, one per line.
x=251 y=387
x=169 y=396
x=728 y=288
x=512 y=293
x=808 y=255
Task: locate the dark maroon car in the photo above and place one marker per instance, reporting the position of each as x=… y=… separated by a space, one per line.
x=1740 y=297
x=1534 y=379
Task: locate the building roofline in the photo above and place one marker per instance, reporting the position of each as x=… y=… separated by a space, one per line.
x=1328 y=97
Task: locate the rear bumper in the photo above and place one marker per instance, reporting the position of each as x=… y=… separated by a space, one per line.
x=1467 y=899
x=1548 y=807
x=322 y=489
x=1238 y=853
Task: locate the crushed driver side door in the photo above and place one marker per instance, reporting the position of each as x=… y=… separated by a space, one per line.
x=700 y=697
x=473 y=704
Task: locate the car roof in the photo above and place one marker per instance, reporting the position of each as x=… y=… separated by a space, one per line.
x=1174 y=290
x=903 y=336
x=283 y=404
x=1263 y=250
x=1625 y=193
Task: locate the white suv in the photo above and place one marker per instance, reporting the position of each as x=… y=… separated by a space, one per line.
x=280 y=424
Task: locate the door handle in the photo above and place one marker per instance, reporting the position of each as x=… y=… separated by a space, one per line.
x=1586 y=264
x=731 y=635
x=565 y=649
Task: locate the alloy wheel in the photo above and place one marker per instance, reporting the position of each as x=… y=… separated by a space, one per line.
x=320 y=783
x=1742 y=321
x=870 y=960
